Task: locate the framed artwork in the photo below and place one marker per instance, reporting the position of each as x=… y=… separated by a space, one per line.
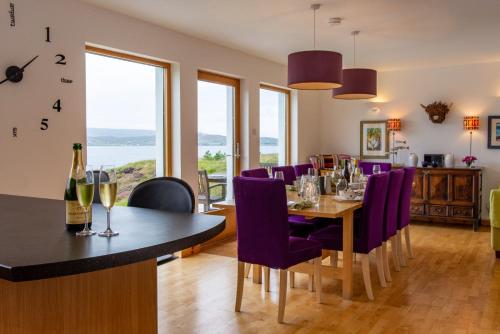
x=494 y=132
x=374 y=140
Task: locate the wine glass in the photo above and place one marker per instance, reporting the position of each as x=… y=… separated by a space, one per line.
x=85 y=193
x=376 y=169
x=279 y=175
x=312 y=172
x=107 y=193
x=341 y=185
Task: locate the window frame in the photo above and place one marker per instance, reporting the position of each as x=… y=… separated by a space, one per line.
x=235 y=83
x=167 y=96
x=288 y=128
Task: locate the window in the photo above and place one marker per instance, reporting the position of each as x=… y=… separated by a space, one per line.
x=127 y=117
x=274 y=126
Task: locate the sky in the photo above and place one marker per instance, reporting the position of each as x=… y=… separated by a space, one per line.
x=121 y=95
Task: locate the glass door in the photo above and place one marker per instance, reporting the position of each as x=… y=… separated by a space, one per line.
x=218 y=137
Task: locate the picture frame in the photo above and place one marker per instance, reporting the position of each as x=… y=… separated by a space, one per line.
x=494 y=132
x=374 y=140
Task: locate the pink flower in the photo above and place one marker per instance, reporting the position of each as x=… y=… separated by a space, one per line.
x=469 y=159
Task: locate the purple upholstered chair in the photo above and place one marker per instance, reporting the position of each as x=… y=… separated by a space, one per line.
x=370 y=233
x=404 y=214
x=288 y=173
x=367 y=166
x=302 y=169
x=391 y=220
x=262 y=235
x=257 y=172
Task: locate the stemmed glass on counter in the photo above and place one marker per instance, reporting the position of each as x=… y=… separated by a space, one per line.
x=107 y=193
x=85 y=195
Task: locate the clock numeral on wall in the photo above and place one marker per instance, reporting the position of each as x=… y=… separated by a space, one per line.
x=57 y=105
x=14 y=132
x=44 y=125
x=61 y=60
x=47 y=35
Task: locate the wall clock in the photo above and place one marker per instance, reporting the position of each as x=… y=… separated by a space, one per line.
x=14 y=73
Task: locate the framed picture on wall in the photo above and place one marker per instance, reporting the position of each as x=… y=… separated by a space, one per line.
x=374 y=140
x=494 y=132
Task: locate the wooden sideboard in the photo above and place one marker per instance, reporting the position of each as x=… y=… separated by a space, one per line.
x=449 y=195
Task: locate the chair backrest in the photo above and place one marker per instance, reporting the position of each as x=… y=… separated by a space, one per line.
x=261 y=221
x=392 y=203
x=257 y=172
x=372 y=219
x=203 y=183
x=288 y=173
x=367 y=166
x=163 y=193
x=302 y=169
x=405 y=197
x=97 y=197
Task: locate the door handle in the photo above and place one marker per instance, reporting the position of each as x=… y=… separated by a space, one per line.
x=237 y=153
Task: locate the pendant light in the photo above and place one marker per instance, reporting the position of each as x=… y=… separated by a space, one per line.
x=358 y=83
x=315 y=69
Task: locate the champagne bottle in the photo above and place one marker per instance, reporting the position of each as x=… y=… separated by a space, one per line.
x=75 y=215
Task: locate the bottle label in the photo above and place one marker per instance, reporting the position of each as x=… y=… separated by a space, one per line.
x=75 y=213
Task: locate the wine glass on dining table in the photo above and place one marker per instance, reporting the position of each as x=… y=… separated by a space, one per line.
x=107 y=193
x=376 y=169
x=85 y=194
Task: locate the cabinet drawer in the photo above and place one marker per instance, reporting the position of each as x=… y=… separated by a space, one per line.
x=462 y=211
x=437 y=210
x=417 y=209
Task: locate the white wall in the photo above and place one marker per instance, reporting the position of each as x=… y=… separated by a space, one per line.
x=473 y=89
x=36 y=163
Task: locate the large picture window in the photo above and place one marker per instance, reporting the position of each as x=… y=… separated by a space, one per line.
x=274 y=126
x=127 y=117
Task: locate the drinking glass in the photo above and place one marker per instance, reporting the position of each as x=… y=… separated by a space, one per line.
x=85 y=193
x=376 y=169
x=279 y=175
x=312 y=172
x=107 y=193
x=341 y=185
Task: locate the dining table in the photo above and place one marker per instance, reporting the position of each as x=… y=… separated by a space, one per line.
x=328 y=207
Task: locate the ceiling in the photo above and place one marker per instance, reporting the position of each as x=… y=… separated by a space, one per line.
x=395 y=34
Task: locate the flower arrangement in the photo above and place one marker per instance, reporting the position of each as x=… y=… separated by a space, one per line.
x=469 y=160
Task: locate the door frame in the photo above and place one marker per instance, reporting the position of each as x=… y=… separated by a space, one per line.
x=235 y=83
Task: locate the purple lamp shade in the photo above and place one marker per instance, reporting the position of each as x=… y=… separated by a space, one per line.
x=315 y=70
x=358 y=83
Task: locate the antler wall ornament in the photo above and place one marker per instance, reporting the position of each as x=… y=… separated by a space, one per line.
x=437 y=111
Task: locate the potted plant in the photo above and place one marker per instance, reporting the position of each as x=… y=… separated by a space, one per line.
x=469 y=160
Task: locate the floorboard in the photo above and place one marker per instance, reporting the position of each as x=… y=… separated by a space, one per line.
x=452 y=286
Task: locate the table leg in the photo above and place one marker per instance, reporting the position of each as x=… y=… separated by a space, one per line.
x=347 y=254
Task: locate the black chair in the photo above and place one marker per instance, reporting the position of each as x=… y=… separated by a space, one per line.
x=166 y=194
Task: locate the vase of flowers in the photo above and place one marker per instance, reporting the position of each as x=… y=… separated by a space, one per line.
x=469 y=160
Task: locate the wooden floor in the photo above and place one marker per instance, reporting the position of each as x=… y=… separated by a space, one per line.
x=452 y=286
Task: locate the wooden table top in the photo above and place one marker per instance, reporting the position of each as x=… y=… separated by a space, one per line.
x=327 y=207
x=34 y=243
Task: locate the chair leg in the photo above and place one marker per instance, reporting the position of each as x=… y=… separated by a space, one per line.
x=380 y=266
x=394 y=251
x=409 y=250
x=239 y=286
x=385 y=258
x=334 y=258
x=292 y=280
x=311 y=280
x=282 y=296
x=401 y=254
x=317 y=279
x=365 y=266
x=247 y=269
x=267 y=278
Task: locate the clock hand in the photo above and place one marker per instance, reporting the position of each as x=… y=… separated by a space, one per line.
x=22 y=68
x=6 y=79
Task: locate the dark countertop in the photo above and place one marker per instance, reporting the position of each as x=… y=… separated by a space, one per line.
x=34 y=243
